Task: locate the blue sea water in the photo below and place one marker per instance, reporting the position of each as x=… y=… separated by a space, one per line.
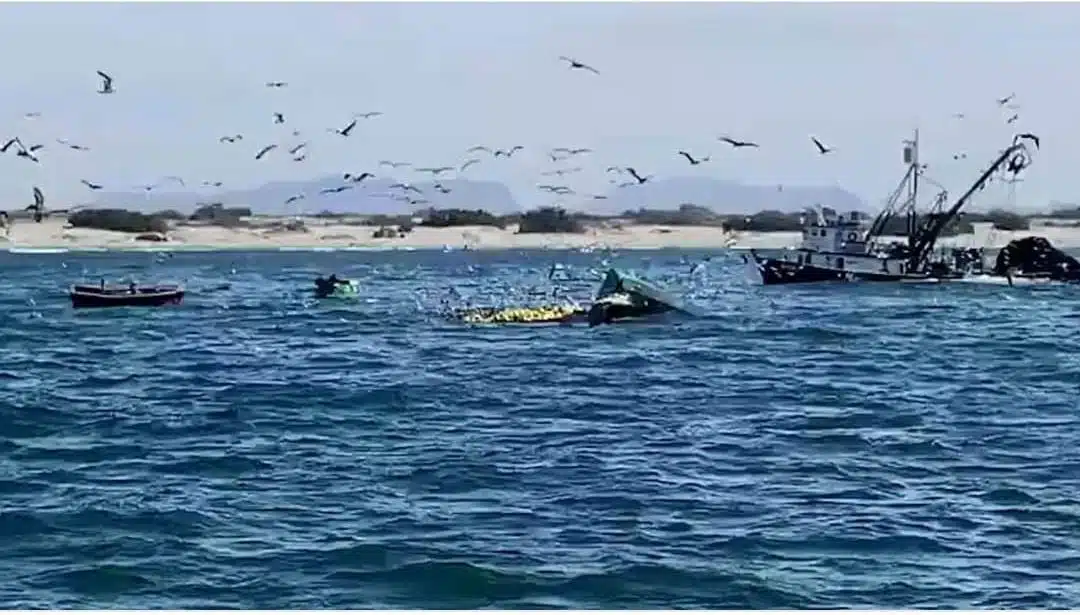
x=822 y=446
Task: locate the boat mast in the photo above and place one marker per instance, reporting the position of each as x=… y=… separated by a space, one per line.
x=911 y=156
x=910 y=182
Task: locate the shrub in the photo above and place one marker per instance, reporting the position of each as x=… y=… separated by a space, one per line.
x=120 y=220
x=219 y=214
x=443 y=218
x=550 y=220
x=687 y=215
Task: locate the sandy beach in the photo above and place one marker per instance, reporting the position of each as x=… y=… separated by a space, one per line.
x=268 y=234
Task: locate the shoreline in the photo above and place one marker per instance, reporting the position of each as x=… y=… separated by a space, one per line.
x=55 y=236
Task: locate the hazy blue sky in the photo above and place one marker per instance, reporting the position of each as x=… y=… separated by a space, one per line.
x=449 y=76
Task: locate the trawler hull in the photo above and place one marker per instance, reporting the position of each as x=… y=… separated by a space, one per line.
x=775 y=271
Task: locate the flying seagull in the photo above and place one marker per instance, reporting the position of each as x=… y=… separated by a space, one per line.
x=231 y=139
x=468 y=163
x=1006 y=100
x=508 y=152
x=691 y=159
x=407 y=187
x=276 y=84
x=633 y=173
x=575 y=64
x=297 y=149
x=264 y=151
x=279 y=118
x=737 y=144
x=71 y=145
x=294 y=198
x=434 y=170
x=344 y=131
x=369 y=114
x=12 y=141
x=358 y=178
x=392 y=164
x=821 y=147
x=106 y=83
x=1012 y=118
x=338 y=189
x=91 y=185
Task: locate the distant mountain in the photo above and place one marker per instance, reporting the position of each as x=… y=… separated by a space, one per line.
x=372 y=197
x=723 y=197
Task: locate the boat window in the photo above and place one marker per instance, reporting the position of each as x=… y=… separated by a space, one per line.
x=839 y=262
x=808 y=259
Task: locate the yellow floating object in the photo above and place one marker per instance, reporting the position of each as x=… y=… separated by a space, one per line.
x=539 y=314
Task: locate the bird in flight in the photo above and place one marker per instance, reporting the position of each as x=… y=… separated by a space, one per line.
x=821 y=146
x=633 y=173
x=561 y=172
x=231 y=139
x=368 y=114
x=468 y=163
x=578 y=65
x=297 y=149
x=11 y=141
x=358 y=178
x=91 y=185
x=276 y=84
x=1012 y=118
x=441 y=188
x=213 y=184
x=279 y=118
x=344 y=131
x=265 y=151
x=1006 y=100
x=508 y=152
x=436 y=171
x=407 y=187
x=737 y=144
x=71 y=145
x=691 y=159
x=392 y=164
x=294 y=198
x=333 y=190
x=106 y=83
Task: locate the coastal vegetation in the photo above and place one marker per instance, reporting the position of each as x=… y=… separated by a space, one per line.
x=120 y=220
x=548 y=219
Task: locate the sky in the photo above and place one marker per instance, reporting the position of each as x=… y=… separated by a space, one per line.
x=447 y=76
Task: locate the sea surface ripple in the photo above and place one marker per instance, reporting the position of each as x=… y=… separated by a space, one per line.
x=824 y=446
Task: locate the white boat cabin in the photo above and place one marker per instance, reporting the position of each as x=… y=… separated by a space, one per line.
x=825 y=230
x=838 y=241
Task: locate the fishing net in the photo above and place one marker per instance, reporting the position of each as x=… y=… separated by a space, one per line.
x=1035 y=255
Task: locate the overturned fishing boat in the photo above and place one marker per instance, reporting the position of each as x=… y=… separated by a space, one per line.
x=620 y=297
x=841 y=248
x=623 y=297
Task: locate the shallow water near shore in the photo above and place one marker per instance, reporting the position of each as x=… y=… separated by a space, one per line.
x=822 y=446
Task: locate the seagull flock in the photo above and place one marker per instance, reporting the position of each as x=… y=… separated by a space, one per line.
x=621 y=176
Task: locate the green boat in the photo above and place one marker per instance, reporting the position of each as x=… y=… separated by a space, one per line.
x=336 y=288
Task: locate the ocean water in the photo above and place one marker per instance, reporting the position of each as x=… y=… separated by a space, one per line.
x=830 y=446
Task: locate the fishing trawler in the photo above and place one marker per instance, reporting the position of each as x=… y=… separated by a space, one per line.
x=837 y=248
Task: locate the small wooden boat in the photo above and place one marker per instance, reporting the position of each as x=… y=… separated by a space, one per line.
x=87 y=296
